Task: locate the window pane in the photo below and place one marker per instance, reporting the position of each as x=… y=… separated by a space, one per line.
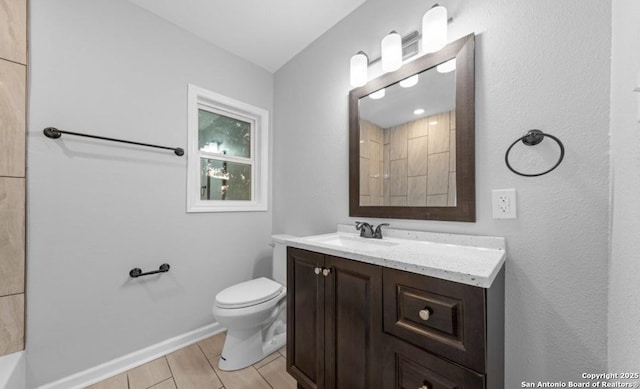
x=222 y=180
x=223 y=134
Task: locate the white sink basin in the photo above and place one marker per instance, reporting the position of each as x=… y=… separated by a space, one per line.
x=355 y=243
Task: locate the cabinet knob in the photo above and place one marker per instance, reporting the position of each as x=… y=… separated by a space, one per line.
x=326 y=272
x=424 y=387
x=317 y=270
x=424 y=315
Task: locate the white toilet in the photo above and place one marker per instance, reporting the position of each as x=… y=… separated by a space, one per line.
x=253 y=312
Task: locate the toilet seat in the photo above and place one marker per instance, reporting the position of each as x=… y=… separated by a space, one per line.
x=248 y=293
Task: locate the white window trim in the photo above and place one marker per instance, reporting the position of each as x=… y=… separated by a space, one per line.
x=199 y=97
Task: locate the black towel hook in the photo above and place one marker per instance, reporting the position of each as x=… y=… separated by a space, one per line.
x=532 y=138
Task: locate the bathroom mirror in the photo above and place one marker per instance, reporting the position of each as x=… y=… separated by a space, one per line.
x=412 y=142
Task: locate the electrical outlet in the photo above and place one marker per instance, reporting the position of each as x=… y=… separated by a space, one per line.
x=503 y=203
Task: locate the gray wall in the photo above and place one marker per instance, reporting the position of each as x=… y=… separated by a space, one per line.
x=97 y=210
x=539 y=64
x=624 y=278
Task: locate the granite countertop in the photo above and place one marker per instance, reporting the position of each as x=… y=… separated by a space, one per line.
x=468 y=259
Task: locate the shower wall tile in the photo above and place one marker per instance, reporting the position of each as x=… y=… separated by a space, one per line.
x=386 y=160
x=452 y=198
x=417 y=191
x=364 y=176
x=418 y=128
x=386 y=187
x=11 y=323
x=364 y=139
x=417 y=153
x=12 y=118
x=12 y=237
x=375 y=156
x=398 y=142
x=13 y=30
x=438 y=177
x=437 y=200
x=439 y=133
x=398 y=183
x=398 y=201
x=375 y=187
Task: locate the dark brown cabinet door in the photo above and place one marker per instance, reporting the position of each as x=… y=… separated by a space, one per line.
x=334 y=322
x=305 y=318
x=353 y=324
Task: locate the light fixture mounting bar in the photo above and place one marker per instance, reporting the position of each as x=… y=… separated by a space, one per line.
x=410 y=46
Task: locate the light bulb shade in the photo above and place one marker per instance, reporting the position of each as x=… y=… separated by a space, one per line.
x=447 y=67
x=434 y=29
x=391 y=52
x=359 y=67
x=377 y=94
x=409 y=81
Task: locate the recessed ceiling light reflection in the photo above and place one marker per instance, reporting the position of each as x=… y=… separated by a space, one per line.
x=418 y=111
x=377 y=94
x=409 y=81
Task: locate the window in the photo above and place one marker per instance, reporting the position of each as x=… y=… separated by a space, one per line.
x=228 y=154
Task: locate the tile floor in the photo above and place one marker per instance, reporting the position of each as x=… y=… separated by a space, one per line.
x=196 y=367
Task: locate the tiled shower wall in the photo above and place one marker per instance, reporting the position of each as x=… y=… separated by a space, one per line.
x=13 y=76
x=412 y=164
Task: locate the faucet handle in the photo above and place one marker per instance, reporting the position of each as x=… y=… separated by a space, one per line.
x=378 y=233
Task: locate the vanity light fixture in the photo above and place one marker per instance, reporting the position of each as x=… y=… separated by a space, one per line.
x=447 y=67
x=395 y=48
x=409 y=81
x=377 y=94
x=434 y=29
x=391 y=52
x=359 y=68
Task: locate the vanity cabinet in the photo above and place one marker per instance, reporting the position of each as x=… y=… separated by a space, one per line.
x=354 y=325
x=334 y=321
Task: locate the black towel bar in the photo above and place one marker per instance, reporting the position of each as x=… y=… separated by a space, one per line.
x=54 y=133
x=137 y=272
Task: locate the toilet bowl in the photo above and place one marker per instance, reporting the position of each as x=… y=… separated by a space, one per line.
x=254 y=314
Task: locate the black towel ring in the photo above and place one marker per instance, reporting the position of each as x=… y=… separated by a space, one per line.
x=532 y=138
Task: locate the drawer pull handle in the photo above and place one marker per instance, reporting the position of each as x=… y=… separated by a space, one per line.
x=424 y=315
x=317 y=270
x=326 y=272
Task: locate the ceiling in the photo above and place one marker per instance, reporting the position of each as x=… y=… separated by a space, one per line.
x=266 y=32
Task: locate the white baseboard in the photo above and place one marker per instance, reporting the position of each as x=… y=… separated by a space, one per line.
x=120 y=365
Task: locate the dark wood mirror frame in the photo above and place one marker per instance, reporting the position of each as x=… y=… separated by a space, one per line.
x=463 y=50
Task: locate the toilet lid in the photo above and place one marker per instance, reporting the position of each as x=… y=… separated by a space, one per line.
x=248 y=293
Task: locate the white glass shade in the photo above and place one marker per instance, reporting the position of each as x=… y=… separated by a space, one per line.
x=391 y=52
x=409 y=81
x=447 y=67
x=377 y=94
x=434 y=29
x=359 y=67
x=418 y=111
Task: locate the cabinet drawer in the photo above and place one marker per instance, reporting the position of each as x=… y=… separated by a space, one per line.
x=407 y=367
x=443 y=317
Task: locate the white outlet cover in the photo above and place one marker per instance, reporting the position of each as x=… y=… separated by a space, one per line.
x=503 y=203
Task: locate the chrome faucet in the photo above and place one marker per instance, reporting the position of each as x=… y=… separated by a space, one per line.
x=366 y=230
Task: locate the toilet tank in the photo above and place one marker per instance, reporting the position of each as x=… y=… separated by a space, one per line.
x=279 y=258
